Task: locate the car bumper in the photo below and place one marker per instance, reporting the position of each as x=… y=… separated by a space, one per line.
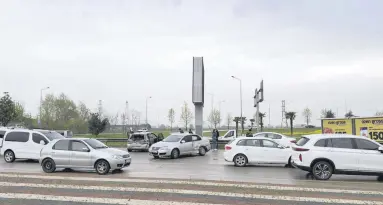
x=137 y=147
x=160 y=153
x=228 y=157
x=120 y=163
x=299 y=165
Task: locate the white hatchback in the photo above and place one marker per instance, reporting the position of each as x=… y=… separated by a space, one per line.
x=277 y=137
x=25 y=144
x=256 y=150
x=327 y=154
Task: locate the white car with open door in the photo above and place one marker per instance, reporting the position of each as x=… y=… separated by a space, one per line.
x=277 y=137
x=257 y=150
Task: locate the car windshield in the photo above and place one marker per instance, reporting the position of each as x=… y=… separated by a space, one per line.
x=173 y=138
x=52 y=135
x=137 y=137
x=95 y=144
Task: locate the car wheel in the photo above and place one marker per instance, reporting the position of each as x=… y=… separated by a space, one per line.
x=129 y=150
x=322 y=170
x=175 y=154
x=240 y=160
x=49 y=166
x=102 y=167
x=9 y=156
x=202 y=151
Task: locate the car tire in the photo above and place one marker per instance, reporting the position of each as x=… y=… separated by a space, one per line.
x=9 y=156
x=49 y=166
x=102 y=167
x=129 y=150
x=175 y=154
x=240 y=160
x=322 y=170
x=202 y=151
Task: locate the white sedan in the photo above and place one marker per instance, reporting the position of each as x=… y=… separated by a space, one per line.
x=256 y=150
x=277 y=137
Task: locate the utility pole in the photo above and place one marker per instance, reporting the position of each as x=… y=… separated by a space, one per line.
x=146 y=119
x=100 y=108
x=269 y=115
x=258 y=98
x=283 y=113
x=41 y=103
x=240 y=93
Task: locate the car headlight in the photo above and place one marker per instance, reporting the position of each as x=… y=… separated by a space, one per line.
x=116 y=157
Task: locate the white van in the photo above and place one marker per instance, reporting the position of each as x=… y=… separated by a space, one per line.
x=2 y=133
x=26 y=144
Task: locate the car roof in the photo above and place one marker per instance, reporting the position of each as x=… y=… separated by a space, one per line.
x=138 y=133
x=182 y=134
x=243 y=137
x=326 y=136
x=77 y=138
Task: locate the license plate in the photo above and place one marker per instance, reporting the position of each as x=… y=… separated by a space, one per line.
x=154 y=152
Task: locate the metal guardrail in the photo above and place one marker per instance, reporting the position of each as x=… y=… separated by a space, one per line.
x=106 y=140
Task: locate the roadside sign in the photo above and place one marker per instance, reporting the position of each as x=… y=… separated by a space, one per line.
x=337 y=126
x=371 y=127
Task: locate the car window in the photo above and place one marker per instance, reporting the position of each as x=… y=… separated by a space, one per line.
x=366 y=145
x=188 y=138
x=275 y=136
x=269 y=144
x=137 y=137
x=95 y=144
x=152 y=136
x=302 y=141
x=37 y=138
x=345 y=143
x=320 y=143
x=241 y=143
x=17 y=137
x=61 y=145
x=52 y=135
x=78 y=146
x=254 y=143
x=196 y=138
x=173 y=138
x=2 y=133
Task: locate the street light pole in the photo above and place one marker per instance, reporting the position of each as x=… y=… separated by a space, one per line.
x=240 y=91
x=41 y=102
x=146 y=119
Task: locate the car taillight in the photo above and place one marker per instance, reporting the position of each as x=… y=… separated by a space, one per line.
x=300 y=149
x=300 y=157
x=227 y=147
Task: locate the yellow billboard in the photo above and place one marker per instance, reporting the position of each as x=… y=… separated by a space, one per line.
x=371 y=127
x=337 y=126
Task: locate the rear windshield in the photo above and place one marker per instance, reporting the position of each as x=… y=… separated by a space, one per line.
x=137 y=137
x=52 y=135
x=303 y=141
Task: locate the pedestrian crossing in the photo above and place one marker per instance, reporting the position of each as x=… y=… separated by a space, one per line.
x=72 y=188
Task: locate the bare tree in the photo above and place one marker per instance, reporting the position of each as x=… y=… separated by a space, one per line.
x=307 y=114
x=186 y=115
x=215 y=118
x=379 y=113
x=229 y=119
x=123 y=122
x=136 y=118
x=171 y=119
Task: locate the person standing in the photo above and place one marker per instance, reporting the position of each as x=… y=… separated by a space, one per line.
x=214 y=138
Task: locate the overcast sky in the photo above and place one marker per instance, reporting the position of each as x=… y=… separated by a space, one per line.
x=319 y=54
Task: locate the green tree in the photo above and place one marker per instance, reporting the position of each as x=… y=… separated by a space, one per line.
x=236 y=120
x=261 y=117
x=96 y=124
x=327 y=113
x=307 y=115
x=291 y=116
x=379 y=113
x=252 y=121
x=7 y=109
x=171 y=118
x=349 y=114
x=186 y=115
x=243 y=121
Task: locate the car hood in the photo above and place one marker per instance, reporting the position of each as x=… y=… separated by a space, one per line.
x=111 y=151
x=163 y=144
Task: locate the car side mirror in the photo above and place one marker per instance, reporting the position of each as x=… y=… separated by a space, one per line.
x=84 y=149
x=380 y=149
x=42 y=142
x=281 y=147
x=183 y=141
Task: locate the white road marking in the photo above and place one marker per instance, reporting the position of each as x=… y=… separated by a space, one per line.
x=192 y=192
x=93 y=200
x=199 y=183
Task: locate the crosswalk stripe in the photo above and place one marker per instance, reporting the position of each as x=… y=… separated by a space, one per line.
x=181 y=182
x=192 y=192
x=94 y=200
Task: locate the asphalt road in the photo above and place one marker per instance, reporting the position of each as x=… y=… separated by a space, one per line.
x=190 y=180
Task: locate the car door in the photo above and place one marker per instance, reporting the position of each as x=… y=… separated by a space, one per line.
x=252 y=148
x=277 y=138
x=371 y=159
x=197 y=142
x=35 y=146
x=61 y=153
x=80 y=155
x=344 y=154
x=186 y=147
x=18 y=142
x=274 y=154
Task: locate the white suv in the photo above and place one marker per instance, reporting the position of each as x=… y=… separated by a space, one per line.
x=327 y=154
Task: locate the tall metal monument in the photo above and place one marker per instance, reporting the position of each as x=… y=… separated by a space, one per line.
x=198 y=92
x=258 y=97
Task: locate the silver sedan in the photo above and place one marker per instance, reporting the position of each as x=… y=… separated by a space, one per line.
x=82 y=153
x=180 y=144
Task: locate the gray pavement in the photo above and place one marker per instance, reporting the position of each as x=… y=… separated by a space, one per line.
x=184 y=181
